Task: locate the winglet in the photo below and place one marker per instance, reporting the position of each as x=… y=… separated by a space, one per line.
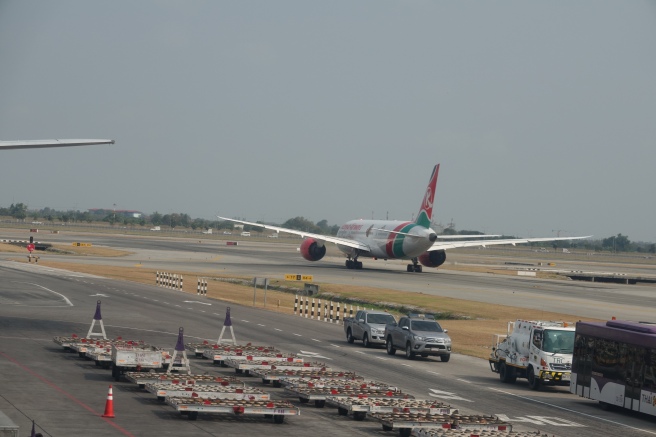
x=425 y=215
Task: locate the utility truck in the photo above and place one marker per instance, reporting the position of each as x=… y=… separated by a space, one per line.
x=540 y=351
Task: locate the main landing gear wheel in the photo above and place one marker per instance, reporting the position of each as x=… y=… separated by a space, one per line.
x=415 y=266
x=353 y=264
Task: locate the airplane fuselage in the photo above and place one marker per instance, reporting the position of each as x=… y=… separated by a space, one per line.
x=406 y=240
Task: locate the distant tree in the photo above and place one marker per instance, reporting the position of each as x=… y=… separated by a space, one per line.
x=652 y=248
x=35 y=215
x=156 y=218
x=18 y=211
x=617 y=243
x=323 y=225
x=449 y=231
x=302 y=224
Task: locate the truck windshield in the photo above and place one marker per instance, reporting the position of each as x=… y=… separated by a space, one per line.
x=382 y=319
x=560 y=342
x=426 y=326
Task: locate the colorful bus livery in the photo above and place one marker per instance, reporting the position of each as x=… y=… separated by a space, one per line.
x=615 y=363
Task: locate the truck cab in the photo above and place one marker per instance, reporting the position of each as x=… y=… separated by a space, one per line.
x=418 y=335
x=540 y=351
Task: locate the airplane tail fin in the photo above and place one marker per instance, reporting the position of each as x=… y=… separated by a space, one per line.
x=425 y=215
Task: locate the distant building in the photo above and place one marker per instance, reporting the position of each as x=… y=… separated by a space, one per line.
x=125 y=213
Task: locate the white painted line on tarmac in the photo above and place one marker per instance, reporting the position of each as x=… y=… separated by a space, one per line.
x=245 y=321
x=335 y=345
x=259 y=324
x=360 y=352
x=574 y=411
x=314 y=339
x=298 y=335
x=463 y=380
x=52 y=291
x=434 y=373
x=278 y=329
x=406 y=365
x=381 y=358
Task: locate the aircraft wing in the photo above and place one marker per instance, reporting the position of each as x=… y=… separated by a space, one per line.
x=513 y=241
x=342 y=241
x=40 y=144
x=456 y=236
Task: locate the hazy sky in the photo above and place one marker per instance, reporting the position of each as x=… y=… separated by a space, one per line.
x=542 y=114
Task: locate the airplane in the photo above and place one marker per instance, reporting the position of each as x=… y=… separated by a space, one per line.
x=392 y=239
x=40 y=144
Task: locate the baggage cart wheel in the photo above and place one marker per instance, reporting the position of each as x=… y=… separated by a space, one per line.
x=303 y=400
x=387 y=428
x=278 y=418
x=320 y=403
x=359 y=415
x=342 y=411
x=277 y=383
x=193 y=415
x=405 y=432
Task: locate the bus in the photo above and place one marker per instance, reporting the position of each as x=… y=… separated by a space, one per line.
x=615 y=363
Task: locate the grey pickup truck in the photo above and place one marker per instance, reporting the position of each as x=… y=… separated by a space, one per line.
x=417 y=335
x=368 y=326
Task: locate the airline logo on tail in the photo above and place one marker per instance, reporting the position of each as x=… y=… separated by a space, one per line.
x=426 y=211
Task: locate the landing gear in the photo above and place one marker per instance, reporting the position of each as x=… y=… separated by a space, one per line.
x=415 y=266
x=353 y=264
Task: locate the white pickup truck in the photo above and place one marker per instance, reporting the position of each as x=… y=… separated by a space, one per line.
x=368 y=326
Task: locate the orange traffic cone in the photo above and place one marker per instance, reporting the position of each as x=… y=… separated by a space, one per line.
x=109 y=405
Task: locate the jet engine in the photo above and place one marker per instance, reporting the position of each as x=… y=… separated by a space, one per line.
x=433 y=258
x=312 y=250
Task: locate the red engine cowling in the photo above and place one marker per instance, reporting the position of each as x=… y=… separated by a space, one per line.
x=311 y=250
x=433 y=258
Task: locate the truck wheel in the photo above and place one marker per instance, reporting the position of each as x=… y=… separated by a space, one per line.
x=365 y=340
x=506 y=374
x=349 y=336
x=533 y=381
x=391 y=350
x=408 y=351
x=445 y=358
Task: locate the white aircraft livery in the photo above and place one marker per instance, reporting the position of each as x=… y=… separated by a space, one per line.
x=388 y=239
x=41 y=144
